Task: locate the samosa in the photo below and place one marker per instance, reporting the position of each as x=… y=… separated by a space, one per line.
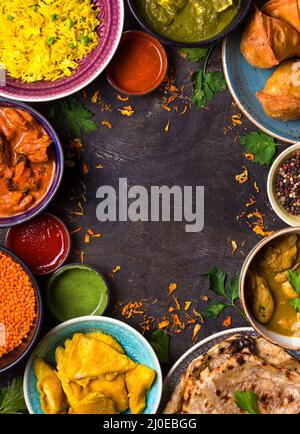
x=281 y=96
x=285 y=10
x=267 y=41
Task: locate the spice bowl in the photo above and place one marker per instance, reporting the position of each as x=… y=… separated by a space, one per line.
x=282 y=213
x=12 y=358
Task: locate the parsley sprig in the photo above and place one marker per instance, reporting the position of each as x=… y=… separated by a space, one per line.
x=247 y=401
x=71 y=112
x=228 y=294
x=205 y=84
x=261 y=145
x=11 y=397
x=294 y=279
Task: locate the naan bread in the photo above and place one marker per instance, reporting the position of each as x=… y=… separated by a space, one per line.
x=239 y=363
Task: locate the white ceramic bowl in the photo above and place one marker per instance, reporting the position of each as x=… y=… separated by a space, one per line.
x=278 y=209
x=288 y=342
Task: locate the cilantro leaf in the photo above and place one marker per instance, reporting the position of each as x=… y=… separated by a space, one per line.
x=193 y=54
x=261 y=145
x=214 y=309
x=216 y=281
x=294 y=279
x=247 y=401
x=77 y=118
x=206 y=85
x=234 y=288
x=160 y=342
x=12 y=399
x=295 y=303
x=216 y=81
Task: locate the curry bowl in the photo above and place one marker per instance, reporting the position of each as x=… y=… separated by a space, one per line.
x=233 y=24
x=49 y=187
x=135 y=345
x=267 y=267
x=12 y=358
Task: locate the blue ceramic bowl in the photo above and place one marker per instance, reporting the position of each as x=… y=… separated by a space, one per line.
x=12 y=358
x=244 y=81
x=59 y=157
x=134 y=344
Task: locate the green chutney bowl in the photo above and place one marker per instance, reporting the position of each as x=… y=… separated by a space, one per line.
x=76 y=290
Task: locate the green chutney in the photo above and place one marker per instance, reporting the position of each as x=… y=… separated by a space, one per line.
x=75 y=291
x=188 y=20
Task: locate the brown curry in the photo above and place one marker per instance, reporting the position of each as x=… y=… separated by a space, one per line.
x=27 y=162
x=269 y=288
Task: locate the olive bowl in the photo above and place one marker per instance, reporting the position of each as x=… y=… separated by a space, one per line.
x=287 y=342
x=236 y=22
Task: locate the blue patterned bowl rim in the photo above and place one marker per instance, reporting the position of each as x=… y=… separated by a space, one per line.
x=56 y=336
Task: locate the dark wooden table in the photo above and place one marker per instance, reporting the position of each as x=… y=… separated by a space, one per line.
x=195 y=151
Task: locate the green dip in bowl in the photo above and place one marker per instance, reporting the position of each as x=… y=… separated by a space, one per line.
x=190 y=23
x=76 y=290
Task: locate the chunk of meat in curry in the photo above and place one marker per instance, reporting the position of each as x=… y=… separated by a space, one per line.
x=27 y=165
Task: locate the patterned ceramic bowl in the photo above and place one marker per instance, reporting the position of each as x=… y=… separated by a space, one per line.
x=134 y=344
x=110 y=31
x=59 y=158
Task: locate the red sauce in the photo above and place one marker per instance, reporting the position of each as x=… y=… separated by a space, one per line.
x=140 y=64
x=43 y=243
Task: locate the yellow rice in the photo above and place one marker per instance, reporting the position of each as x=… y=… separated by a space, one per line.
x=45 y=39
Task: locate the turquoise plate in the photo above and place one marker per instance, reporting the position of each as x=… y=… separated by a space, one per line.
x=244 y=81
x=134 y=344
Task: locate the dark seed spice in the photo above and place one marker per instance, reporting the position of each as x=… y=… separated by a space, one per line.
x=287 y=185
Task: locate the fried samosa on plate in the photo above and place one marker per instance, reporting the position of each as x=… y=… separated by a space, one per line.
x=281 y=96
x=267 y=41
x=94 y=403
x=285 y=10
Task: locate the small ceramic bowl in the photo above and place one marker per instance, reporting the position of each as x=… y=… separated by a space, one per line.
x=112 y=73
x=23 y=231
x=110 y=30
x=135 y=345
x=97 y=308
x=279 y=210
x=14 y=357
x=59 y=159
x=243 y=12
x=287 y=342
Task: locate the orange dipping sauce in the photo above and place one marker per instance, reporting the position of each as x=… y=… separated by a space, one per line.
x=140 y=64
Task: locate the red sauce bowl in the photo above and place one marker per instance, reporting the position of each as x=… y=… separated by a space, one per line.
x=42 y=243
x=139 y=65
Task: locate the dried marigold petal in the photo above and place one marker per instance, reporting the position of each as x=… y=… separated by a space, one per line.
x=172 y=288
x=243 y=177
x=227 y=321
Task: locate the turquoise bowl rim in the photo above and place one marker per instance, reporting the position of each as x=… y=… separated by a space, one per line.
x=84 y=321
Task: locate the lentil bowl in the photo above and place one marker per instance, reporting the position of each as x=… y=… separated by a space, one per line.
x=20 y=310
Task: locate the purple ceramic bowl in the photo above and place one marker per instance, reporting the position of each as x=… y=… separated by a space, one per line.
x=110 y=32
x=59 y=159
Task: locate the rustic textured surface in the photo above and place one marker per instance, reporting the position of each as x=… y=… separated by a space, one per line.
x=194 y=152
